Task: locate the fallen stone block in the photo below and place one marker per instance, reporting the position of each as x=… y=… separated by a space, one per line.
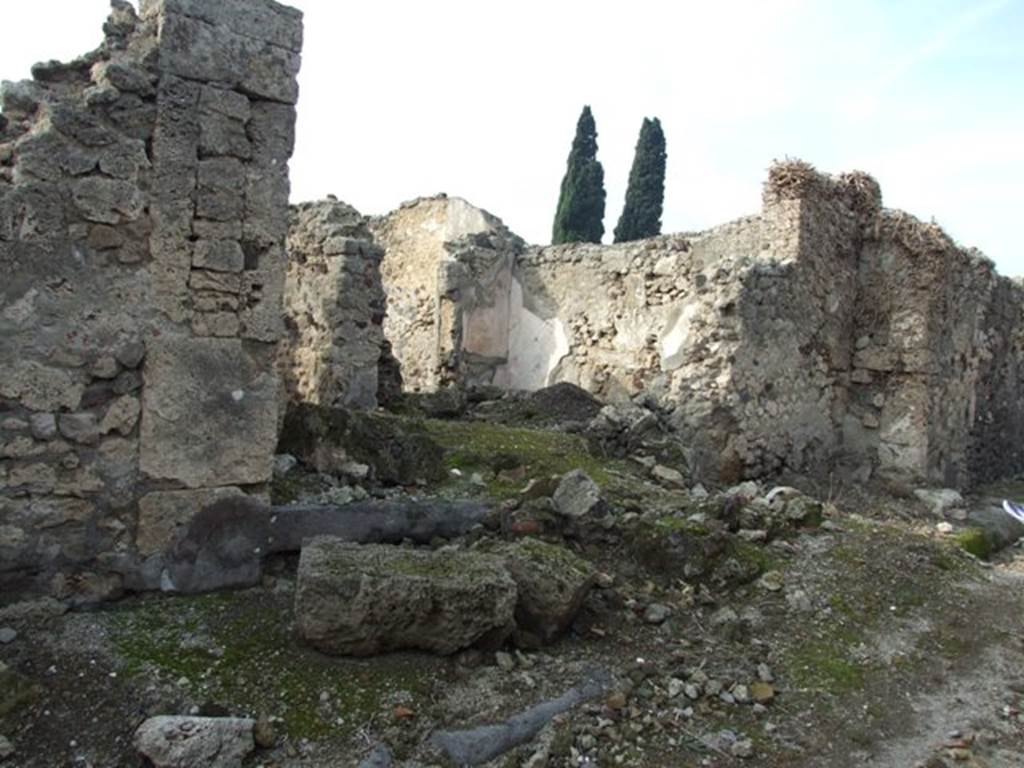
x=187 y=742
x=362 y=600
x=552 y=584
x=991 y=529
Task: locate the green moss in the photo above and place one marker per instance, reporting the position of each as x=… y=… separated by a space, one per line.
x=462 y=566
x=824 y=663
x=472 y=446
x=15 y=692
x=755 y=556
x=976 y=542
x=673 y=524
x=253 y=663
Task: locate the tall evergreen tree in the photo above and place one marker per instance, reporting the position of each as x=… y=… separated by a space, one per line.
x=580 y=213
x=645 y=195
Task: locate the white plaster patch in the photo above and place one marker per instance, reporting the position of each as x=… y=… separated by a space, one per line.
x=673 y=342
x=536 y=346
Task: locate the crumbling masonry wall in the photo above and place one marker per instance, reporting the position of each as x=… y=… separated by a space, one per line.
x=334 y=308
x=143 y=214
x=824 y=335
x=435 y=251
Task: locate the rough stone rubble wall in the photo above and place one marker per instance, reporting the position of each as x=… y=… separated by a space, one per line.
x=143 y=213
x=334 y=308
x=938 y=349
x=819 y=336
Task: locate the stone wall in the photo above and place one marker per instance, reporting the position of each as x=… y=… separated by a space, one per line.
x=423 y=273
x=334 y=308
x=143 y=214
x=823 y=335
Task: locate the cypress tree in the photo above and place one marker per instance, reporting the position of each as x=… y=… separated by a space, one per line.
x=580 y=213
x=645 y=195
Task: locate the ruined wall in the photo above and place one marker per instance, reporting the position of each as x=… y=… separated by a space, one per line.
x=937 y=356
x=422 y=279
x=143 y=212
x=334 y=307
x=824 y=335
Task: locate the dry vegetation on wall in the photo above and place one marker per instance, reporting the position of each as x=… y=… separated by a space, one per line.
x=795 y=179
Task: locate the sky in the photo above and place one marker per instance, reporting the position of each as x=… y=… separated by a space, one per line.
x=405 y=98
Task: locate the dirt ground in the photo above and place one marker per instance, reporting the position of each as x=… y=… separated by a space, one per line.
x=869 y=639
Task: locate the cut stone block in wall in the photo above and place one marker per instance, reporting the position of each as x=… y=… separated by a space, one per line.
x=209 y=412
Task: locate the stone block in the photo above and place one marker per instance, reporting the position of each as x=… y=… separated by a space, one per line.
x=197 y=50
x=218 y=255
x=79 y=427
x=185 y=742
x=107 y=201
x=121 y=416
x=221 y=282
x=209 y=412
x=364 y=599
x=220 y=135
x=225 y=102
x=164 y=516
x=265 y=20
x=551 y=584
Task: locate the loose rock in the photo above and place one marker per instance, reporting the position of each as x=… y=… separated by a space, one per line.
x=361 y=600
x=577 y=495
x=187 y=742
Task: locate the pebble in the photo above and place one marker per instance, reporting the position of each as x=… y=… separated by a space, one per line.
x=6 y=748
x=944 y=527
x=675 y=687
x=7 y=635
x=263 y=733
x=616 y=701
x=762 y=692
x=505 y=661
x=743 y=749
x=799 y=601
x=656 y=613
x=773 y=581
